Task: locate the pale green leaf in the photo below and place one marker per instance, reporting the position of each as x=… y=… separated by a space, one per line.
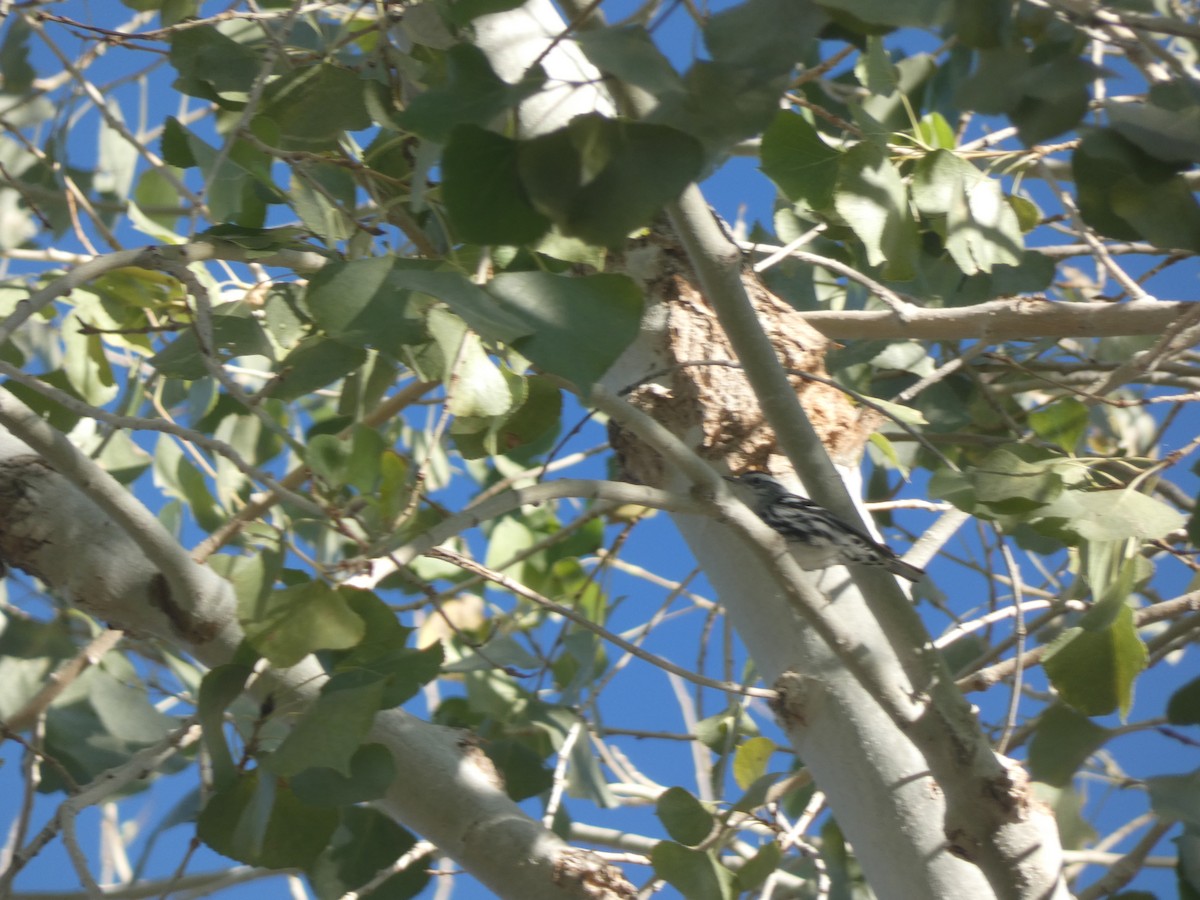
x=331 y=730
x=872 y=198
x=288 y=624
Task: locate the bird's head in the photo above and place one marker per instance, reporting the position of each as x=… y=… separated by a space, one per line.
x=765 y=487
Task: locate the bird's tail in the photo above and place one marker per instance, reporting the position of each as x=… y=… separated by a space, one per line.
x=897 y=566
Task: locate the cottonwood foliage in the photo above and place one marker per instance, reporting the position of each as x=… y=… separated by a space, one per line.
x=405 y=302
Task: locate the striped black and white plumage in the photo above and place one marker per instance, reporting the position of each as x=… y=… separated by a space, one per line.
x=827 y=540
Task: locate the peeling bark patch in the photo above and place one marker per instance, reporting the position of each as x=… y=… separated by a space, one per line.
x=182 y=622
x=700 y=393
x=469 y=745
x=791 y=703
x=959 y=843
x=585 y=871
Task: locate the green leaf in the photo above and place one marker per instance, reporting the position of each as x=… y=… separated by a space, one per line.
x=154 y=189
x=759 y=867
x=685 y=818
x=724 y=104
x=982 y=228
x=522 y=770
x=577 y=326
x=872 y=198
x=15 y=71
x=252 y=577
x=919 y=13
x=796 y=159
x=1010 y=484
x=628 y=53
x=257 y=820
x=485 y=196
x=1112 y=515
x=372 y=771
x=365 y=842
x=875 y=70
x=311 y=106
x=1176 y=797
x=694 y=873
x=1171 y=135
x=1055 y=97
x=219 y=688
x=1125 y=193
x=328 y=456
x=714 y=732
x=751 y=760
x=322 y=196
x=402 y=671
x=383 y=631
x=234 y=333
x=472 y=95
x=358 y=303
x=1062 y=743
x=600 y=179
x=291 y=623
x=212 y=66
x=536 y=418
x=1094 y=671
x=474 y=384
x=331 y=730
x=314 y=364
x=464 y=11
x=1064 y=422
x=1184 y=706
x=239 y=182
x=469 y=301
x=767 y=37
x=176 y=149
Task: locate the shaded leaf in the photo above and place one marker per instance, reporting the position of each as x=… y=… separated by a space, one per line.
x=1176 y=797
x=577 y=326
x=1112 y=515
x=485 y=196
x=796 y=159
x=1062 y=743
x=212 y=66
x=1125 y=193
x=364 y=842
x=759 y=867
x=219 y=688
x=314 y=364
x=872 y=198
x=330 y=731
x=1184 y=706
x=628 y=53
x=311 y=106
x=472 y=95
x=1094 y=671
x=358 y=303
x=289 y=624
x=694 y=873
x=257 y=820
x=372 y=770
x=685 y=818
x=599 y=179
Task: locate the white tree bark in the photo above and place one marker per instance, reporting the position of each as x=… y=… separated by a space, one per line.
x=113 y=563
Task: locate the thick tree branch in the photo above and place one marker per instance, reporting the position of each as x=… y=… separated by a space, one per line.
x=1022 y=318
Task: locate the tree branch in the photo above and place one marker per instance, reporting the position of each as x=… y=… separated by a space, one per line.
x=1022 y=318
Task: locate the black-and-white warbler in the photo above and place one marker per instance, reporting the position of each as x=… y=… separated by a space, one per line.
x=827 y=540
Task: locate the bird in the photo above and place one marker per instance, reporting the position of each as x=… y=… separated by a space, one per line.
x=827 y=540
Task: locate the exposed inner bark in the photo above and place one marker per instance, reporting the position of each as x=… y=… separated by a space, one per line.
x=695 y=387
